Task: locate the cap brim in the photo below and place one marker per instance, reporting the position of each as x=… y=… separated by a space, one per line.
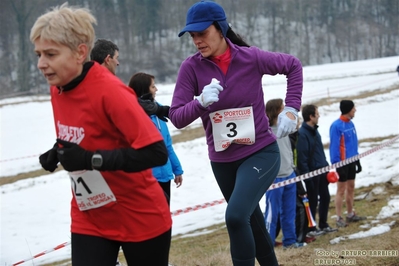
x=196 y=27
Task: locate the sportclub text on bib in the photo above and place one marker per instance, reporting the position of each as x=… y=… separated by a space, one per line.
x=235 y=125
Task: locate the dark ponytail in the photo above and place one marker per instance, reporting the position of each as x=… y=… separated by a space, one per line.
x=232 y=36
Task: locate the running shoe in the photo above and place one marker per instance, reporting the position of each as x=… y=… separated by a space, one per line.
x=341 y=222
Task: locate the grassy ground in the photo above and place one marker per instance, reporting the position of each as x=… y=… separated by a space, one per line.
x=212 y=249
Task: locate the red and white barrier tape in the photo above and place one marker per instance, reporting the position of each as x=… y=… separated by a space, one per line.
x=43 y=253
x=273 y=186
x=333 y=166
x=174 y=213
x=198 y=207
x=19 y=158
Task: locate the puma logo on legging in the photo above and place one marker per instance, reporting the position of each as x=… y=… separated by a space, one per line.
x=257 y=169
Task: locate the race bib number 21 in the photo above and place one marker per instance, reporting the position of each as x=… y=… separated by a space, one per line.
x=234 y=125
x=90 y=189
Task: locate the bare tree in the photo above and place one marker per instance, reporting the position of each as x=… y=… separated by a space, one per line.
x=146 y=33
x=22 y=10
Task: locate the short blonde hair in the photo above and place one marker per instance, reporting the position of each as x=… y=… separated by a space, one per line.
x=67 y=25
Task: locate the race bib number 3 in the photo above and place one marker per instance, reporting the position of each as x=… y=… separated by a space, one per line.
x=90 y=189
x=234 y=125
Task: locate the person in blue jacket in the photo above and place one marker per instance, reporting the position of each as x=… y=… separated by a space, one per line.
x=222 y=84
x=144 y=86
x=343 y=145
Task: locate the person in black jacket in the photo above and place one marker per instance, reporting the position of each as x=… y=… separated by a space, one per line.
x=301 y=219
x=310 y=156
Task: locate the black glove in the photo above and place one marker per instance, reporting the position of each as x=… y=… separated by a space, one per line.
x=163 y=112
x=152 y=108
x=358 y=167
x=49 y=159
x=147 y=102
x=73 y=157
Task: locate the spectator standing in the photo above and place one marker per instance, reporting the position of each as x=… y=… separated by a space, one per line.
x=281 y=201
x=301 y=219
x=343 y=145
x=116 y=200
x=106 y=53
x=310 y=157
x=222 y=84
x=144 y=84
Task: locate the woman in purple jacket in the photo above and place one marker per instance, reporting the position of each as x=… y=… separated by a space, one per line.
x=222 y=84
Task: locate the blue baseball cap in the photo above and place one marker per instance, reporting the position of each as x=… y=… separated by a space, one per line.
x=202 y=14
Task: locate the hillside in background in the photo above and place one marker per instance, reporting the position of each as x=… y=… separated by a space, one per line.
x=317 y=32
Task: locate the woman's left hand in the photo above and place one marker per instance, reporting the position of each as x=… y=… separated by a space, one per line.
x=178 y=180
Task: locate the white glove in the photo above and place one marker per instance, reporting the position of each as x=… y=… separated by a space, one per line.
x=286 y=125
x=210 y=93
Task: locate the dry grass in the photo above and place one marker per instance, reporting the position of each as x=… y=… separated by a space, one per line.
x=14 y=178
x=363 y=95
x=207 y=249
x=213 y=249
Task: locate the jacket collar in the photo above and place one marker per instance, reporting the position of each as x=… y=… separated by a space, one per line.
x=344 y=118
x=309 y=128
x=75 y=82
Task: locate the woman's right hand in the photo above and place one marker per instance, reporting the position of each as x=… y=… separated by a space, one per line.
x=210 y=93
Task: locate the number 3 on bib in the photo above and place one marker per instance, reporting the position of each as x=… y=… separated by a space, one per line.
x=234 y=125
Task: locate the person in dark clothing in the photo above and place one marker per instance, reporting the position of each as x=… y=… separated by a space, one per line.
x=301 y=219
x=310 y=156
